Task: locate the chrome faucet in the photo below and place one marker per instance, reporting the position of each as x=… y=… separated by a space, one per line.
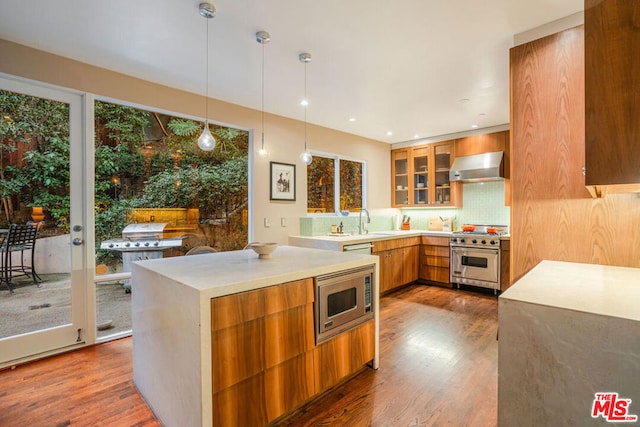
x=360 y=227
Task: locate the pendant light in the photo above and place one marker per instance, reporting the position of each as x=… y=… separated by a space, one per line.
x=306 y=157
x=262 y=37
x=207 y=142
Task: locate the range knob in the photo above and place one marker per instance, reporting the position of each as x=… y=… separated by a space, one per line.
x=156 y=243
x=474 y=241
x=127 y=244
x=461 y=240
x=492 y=242
x=484 y=242
x=146 y=243
x=110 y=245
x=137 y=244
x=454 y=240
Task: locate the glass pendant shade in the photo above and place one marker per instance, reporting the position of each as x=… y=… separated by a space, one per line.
x=206 y=142
x=306 y=157
x=262 y=151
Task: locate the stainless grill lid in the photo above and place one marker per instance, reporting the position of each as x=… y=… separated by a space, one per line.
x=148 y=230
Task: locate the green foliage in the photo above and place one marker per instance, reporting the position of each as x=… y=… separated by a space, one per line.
x=215 y=190
x=129 y=171
x=120 y=123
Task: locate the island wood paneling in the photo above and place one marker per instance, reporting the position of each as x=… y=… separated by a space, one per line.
x=261 y=349
x=343 y=355
x=552 y=214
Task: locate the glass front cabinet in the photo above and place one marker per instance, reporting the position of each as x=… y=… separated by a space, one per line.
x=400 y=178
x=420 y=176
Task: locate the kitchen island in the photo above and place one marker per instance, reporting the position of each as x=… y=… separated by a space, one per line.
x=188 y=312
x=568 y=332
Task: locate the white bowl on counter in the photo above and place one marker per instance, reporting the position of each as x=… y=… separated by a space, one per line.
x=264 y=250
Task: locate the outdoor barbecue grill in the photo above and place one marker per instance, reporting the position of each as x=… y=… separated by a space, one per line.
x=139 y=242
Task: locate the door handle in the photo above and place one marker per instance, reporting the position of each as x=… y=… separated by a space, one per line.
x=78 y=241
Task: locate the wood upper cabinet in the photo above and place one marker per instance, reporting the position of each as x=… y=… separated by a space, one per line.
x=400 y=178
x=612 y=96
x=486 y=143
x=420 y=176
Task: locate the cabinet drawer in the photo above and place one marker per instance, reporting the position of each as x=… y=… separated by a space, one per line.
x=385 y=245
x=435 y=274
x=436 y=261
x=439 y=251
x=435 y=241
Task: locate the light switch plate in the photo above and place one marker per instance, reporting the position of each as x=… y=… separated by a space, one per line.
x=283 y=222
x=267 y=223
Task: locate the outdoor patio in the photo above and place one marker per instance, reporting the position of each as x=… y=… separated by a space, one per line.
x=31 y=308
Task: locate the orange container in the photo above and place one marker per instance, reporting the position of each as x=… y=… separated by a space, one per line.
x=406 y=226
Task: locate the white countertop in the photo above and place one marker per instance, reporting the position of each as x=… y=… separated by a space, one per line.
x=225 y=273
x=336 y=243
x=599 y=289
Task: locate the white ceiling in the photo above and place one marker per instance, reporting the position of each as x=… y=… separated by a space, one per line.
x=405 y=66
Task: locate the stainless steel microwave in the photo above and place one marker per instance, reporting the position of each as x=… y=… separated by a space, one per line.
x=343 y=300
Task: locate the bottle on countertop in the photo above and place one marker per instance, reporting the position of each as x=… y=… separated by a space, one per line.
x=340 y=227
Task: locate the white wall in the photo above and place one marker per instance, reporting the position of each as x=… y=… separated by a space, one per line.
x=284 y=138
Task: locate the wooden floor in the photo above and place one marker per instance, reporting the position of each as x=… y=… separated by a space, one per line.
x=438 y=367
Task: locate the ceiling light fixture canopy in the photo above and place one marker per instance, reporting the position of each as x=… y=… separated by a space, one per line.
x=207 y=142
x=306 y=157
x=263 y=37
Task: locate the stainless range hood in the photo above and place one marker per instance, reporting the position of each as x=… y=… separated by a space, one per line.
x=478 y=167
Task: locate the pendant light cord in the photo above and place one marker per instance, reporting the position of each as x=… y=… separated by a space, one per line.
x=262 y=146
x=305 y=107
x=206 y=100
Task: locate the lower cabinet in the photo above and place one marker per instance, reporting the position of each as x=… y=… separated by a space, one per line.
x=264 y=359
x=342 y=356
x=434 y=260
x=505 y=264
x=398 y=262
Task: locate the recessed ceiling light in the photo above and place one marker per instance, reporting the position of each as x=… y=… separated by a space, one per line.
x=464 y=100
x=304 y=102
x=482 y=114
x=389 y=133
x=416 y=136
x=474 y=126
x=352 y=119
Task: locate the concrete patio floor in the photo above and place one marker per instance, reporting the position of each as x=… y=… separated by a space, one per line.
x=33 y=308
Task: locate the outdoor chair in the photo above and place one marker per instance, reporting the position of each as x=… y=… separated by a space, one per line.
x=197 y=250
x=20 y=238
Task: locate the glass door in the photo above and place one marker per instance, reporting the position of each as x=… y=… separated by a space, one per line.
x=43 y=288
x=443 y=165
x=420 y=175
x=400 y=173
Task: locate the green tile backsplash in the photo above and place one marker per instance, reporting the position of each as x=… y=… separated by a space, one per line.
x=483 y=204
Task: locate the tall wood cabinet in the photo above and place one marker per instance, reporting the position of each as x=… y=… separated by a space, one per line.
x=420 y=176
x=612 y=96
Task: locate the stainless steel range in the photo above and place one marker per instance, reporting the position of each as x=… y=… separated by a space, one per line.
x=475 y=256
x=139 y=242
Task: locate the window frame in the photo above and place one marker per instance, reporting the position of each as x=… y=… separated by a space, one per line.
x=336 y=180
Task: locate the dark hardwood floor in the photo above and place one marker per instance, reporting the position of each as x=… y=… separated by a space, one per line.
x=438 y=367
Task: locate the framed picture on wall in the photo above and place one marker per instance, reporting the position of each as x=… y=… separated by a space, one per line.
x=283 y=181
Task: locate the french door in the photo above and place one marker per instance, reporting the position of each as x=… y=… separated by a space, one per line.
x=50 y=159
